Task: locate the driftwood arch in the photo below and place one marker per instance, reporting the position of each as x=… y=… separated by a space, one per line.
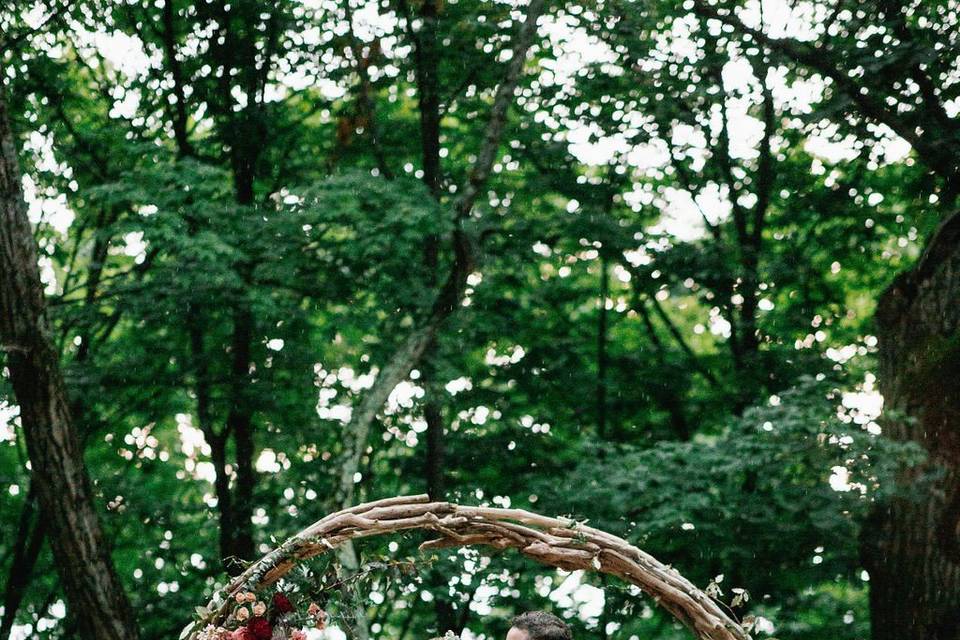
x=556 y=542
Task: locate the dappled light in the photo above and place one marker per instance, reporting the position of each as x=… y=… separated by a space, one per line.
x=682 y=275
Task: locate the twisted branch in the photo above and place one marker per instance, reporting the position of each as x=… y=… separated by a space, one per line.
x=555 y=542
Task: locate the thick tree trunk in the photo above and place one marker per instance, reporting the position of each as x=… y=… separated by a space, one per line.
x=910 y=546
x=97 y=601
x=427 y=59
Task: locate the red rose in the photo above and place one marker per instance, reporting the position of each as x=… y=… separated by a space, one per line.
x=260 y=629
x=282 y=603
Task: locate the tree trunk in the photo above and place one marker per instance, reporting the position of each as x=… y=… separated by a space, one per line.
x=240 y=426
x=429 y=101
x=427 y=62
x=247 y=143
x=218 y=456
x=910 y=546
x=412 y=349
x=601 y=389
x=90 y=583
x=436 y=452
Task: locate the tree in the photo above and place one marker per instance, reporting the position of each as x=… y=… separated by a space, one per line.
x=450 y=296
x=99 y=604
x=911 y=546
x=888 y=64
x=272 y=221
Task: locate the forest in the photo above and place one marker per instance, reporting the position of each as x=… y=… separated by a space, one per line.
x=686 y=272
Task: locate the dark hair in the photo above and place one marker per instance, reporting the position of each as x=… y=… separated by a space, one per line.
x=541 y=625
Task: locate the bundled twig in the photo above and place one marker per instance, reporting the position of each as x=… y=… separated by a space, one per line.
x=558 y=542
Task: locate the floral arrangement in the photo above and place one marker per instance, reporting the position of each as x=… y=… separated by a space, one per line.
x=253 y=619
x=291 y=609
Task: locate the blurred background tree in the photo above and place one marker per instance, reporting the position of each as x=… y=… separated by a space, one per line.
x=622 y=266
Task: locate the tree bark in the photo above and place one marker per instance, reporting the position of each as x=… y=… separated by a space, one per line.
x=911 y=545
x=436 y=451
x=247 y=137
x=90 y=582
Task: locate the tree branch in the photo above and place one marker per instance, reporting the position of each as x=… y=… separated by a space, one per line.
x=927 y=144
x=356 y=433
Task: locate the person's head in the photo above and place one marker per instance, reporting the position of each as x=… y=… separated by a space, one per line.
x=538 y=625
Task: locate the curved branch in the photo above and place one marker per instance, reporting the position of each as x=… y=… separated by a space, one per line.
x=448 y=300
x=555 y=542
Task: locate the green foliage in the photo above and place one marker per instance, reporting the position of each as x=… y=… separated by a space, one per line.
x=270 y=170
x=792 y=462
